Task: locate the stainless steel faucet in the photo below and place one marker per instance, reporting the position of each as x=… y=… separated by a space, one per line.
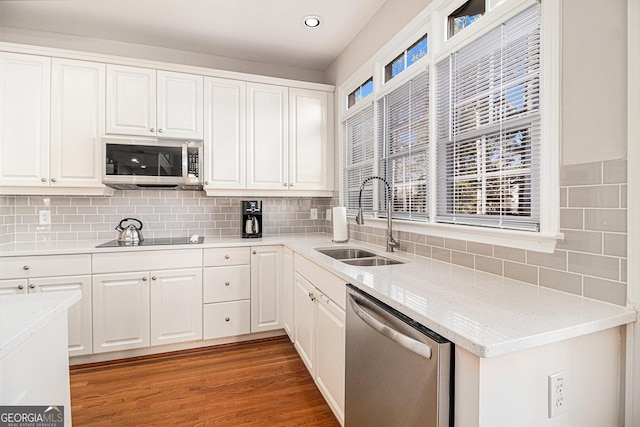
x=391 y=242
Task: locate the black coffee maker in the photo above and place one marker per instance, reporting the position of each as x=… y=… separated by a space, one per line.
x=251 y=218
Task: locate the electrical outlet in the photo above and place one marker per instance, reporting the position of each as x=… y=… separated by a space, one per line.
x=45 y=217
x=328 y=217
x=558 y=393
x=314 y=213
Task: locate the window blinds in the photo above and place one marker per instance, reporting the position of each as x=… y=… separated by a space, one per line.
x=488 y=132
x=358 y=159
x=403 y=144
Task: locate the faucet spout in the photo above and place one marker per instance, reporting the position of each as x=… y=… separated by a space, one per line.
x=391 y=242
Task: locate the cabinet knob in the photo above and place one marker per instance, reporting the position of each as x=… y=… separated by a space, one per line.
x=227 y=283
x=152 y=130
x=254 y=252
x=53 y=180
x=159 y=130
x=144 y=279
x=43 y=179
x=227 y=257
x=226 y=319
x=153 y=278
x=26 y=267
x=291 y=185
x=284 y=185
x=206 y=183
x=32 y=286
x=311 y=296
x=21 y=287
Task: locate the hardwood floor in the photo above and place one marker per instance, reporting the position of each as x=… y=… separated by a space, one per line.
x=258 y=383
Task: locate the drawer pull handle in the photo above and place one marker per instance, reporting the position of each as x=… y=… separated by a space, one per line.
x=26 y=267
x=227 y=283
x=227 y=257
x=21 y=287
x=226 y=319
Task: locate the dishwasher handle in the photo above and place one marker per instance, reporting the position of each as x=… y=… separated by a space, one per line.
x=405 y=341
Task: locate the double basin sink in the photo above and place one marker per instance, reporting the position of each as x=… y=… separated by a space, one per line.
x=356 y=256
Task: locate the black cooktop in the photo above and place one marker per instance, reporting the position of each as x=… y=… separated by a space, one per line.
x=153 y=242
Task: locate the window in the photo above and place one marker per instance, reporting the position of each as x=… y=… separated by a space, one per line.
x=406 y=58
x=489 y=128
x=465 y=15
x=403 y=140
x=358 y=159
x=361 y=92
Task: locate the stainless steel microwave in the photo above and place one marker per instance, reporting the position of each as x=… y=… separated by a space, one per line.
x=152 y=163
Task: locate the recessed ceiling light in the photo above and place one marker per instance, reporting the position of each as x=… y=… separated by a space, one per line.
x=311 y=21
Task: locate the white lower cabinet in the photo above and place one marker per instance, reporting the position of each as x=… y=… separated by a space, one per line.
x=139 y=309
x=54 y=273
x=287 y=291
x=120 y=311
x=176 y=306
x=266 y=288
x=319 y=330
x=226 y=292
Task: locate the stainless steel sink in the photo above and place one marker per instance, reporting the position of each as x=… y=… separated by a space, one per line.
x=357 y=256
x=372 y=262
x=346 y=253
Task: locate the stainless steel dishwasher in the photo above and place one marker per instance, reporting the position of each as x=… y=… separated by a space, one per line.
x=398 y=372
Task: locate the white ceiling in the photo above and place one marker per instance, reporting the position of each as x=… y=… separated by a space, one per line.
x=267 y=31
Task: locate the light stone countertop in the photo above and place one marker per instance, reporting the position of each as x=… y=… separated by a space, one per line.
x=22 y=316
x=485 y=314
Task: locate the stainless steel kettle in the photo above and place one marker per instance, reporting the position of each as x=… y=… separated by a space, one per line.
x=130 y=233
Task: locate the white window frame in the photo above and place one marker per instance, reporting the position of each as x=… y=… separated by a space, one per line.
x=433 y=22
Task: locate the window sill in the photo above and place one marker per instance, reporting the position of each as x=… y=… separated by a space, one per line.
x=532 y=241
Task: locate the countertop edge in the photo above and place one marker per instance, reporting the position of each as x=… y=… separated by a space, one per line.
x=46 y=306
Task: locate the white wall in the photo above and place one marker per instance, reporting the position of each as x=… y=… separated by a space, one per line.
x=61 y=41
x=594 y=80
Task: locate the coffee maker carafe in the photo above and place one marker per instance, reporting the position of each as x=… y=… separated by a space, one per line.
x=251 y=218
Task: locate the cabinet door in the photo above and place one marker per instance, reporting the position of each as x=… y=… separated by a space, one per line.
x=77 y=123
x=266 y=288
x=267 y=137
x=24 y=120
x=13 y=286
x=225 y=133
x=131 y=100
x=176 y=306
x=330 y=353
x=287 y=281
x=180 y=105
x=303 y=320
x=79 y=315
x=120 y=311
x=308 y=146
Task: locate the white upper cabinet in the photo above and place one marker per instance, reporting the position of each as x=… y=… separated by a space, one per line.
x=24 y=120
x=144 y=102
x=267 y=137
x=225 y=133
x=180 y=105
x=77 y=123
x=308 y=142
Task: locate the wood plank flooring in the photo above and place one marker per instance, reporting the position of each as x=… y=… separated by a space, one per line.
x=256 y=383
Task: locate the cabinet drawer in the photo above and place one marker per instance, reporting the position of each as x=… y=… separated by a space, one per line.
x=227 y=283
x=44 y=266
x=215 y=257
x=226 y=319
x=146 y=260
x=328 y=283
